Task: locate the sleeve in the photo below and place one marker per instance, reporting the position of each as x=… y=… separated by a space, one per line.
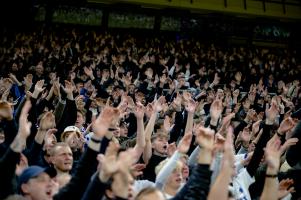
x=193 y=156
x=34 y=153
x=68 y=118
x=293 y=153
x=259 y=150
x=7 y=173
x=59 y=110
x=216 y=166
x=95 y=189
x=197 y=187
x=10 y=130
x=176 y=131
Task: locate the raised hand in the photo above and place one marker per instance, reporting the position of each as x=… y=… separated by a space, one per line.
x=285 y=188
x=124 y=178
x=88 y=71
x=109 y=116
x=273 y=153
x=158 y=106
x=255 y=127
x=191 y=106
x=286 y=125
x=186 y=96
x=6 y=111
x=28 y=81
x=108 y=162
x=24 y=125
x=184 y=144
x=271 y=113
x=205 y=138
x=47 y=121
x=5 y=94
x=167 y=124
x=19 y=143
x=235 y=93
x=288 y=143
x=216 y=110
x=226 y=122
x=68 y=89
x=38 y=88
x=139 y=111
x=172 y=147
x=177 y=102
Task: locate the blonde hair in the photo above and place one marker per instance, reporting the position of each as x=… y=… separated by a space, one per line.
x=179 y=165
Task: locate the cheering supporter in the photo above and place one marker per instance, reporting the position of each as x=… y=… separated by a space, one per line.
x=87 y=115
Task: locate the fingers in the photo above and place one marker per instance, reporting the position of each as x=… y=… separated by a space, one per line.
x=112 y=149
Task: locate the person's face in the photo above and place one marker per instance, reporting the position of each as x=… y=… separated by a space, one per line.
x=246 y=105
x=123 y=131
x=14 y=67
x=80 y=120
x=106 y=74
x=185 y=168
x=62 y=158
x=132 y=89
x=181 y=81
x=160 y=145
x=39 y=69
x=149 y=73
x=175 y=179
x=79 y=86
x=39 y=188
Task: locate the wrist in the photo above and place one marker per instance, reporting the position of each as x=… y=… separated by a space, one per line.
x=103 y=176
x=19 y=143
x=213 y=122
x=272 y=170
x=280 y=133
x=70 y=96
x=35 y=94
x=205 y=156
x=269 y=122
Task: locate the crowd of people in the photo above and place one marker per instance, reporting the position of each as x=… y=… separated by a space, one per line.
x=92 y=115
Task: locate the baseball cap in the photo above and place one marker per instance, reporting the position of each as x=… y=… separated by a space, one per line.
x=71 y=129
x=34 y=171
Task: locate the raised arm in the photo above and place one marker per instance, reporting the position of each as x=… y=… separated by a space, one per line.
x=12 y=156
x=198 y=184
x=147 y=153
x=219 y=189
x=272 y=157
x=87 y=164
x=140 y=138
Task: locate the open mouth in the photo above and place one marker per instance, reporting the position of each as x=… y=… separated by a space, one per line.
x=49 y=193
x=178 y=180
